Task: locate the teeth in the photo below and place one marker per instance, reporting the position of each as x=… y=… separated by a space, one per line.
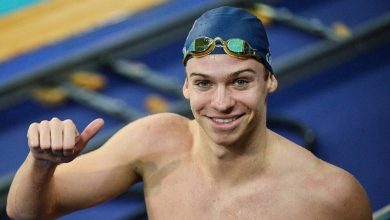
x=223 y=120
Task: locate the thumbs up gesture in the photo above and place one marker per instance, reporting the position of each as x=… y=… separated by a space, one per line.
x=59 y=141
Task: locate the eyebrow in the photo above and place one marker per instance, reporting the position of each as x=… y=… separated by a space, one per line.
x=235 y=74
x=198 y=74
x=230 y=75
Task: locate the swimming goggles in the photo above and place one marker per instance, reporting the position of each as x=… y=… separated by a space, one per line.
x=234 y=47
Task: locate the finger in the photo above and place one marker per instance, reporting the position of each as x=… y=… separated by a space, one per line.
x=89 y=132
x=70 y=133
x=44 y=135
x=56 y=138
x=33 y=136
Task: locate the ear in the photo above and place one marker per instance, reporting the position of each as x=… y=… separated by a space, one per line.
x=272 y=83
x=186 y=91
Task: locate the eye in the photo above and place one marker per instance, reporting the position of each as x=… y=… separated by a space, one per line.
x=240 y=83
x=203 y=84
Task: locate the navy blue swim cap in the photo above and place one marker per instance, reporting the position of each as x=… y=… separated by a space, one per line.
x=230 y=22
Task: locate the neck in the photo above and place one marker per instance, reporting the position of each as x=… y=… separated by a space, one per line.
x=238 y=161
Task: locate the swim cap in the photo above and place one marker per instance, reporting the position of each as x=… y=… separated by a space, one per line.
x=229 y=22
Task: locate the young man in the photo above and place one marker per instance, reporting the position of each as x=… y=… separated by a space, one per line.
x=224 y=164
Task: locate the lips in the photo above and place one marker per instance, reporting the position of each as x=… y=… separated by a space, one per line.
x=223 y=120
x=219 y=120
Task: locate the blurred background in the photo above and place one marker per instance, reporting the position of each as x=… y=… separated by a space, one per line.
x=121 y=60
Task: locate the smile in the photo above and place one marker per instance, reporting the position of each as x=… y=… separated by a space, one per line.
x=224 y=120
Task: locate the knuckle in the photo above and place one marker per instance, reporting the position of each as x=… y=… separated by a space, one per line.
x=54 y=119
x=69 y=126
x=33 y=125
x=68 y=121
x=55 y=124
x=32 y=130
x=56 y=146
x=68 y=146
x=45 y=145
x=33 y=144
x=43 y=125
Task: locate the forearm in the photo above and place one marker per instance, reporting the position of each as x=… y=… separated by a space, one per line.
x=30 y=195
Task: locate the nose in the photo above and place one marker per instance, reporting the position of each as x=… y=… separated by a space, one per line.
x=222 y=100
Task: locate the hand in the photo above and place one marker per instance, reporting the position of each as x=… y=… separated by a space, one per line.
x=59 y=141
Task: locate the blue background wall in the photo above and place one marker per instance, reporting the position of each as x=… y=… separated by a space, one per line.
x=347 y=105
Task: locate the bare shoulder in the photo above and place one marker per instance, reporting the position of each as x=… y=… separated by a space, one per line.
x=343 y=193
x=159 y=121
x=154 y=137
x=156 y=131
x=332 y=191
x=158 y=126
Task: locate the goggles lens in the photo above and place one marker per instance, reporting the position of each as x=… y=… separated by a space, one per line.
x=237 y=46
x=234 y=47
x=200 y=45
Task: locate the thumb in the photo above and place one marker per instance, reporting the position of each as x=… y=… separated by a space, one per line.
x=89 y=132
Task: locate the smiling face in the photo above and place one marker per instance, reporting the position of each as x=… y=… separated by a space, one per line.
x=228 y=96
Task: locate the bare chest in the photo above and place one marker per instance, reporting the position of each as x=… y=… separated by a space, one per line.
x=186 y=194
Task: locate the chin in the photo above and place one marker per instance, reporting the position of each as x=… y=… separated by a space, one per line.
x=224 y=139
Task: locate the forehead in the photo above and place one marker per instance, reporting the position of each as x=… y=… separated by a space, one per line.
x=221 y=64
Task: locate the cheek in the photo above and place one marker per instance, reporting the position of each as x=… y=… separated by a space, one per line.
x=253 y=101
x=198 y=102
